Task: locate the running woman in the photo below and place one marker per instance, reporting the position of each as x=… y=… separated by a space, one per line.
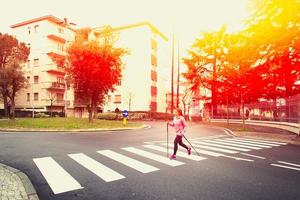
x=179 y=124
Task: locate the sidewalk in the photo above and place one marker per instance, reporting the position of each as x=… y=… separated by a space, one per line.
x=15 y=185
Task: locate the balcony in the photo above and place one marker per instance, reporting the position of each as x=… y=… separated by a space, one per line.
x=54 y=86
x=54 y=69
x=56 y=38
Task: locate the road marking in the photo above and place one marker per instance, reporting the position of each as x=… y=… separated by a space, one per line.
x=222 y=146
x=162 y=149
x=153 y=156
x=296 y=165
x=209 y=137
x=254 y=143
x=214 y=149
x=200 y=151
x=264 y=141
x=130 y=162
x=233 y=144
x=287 y=167
x=96 y=167
x=58 y=179
x=200 y=138
x=251 y=155
x=257 y=147
x=237 y=158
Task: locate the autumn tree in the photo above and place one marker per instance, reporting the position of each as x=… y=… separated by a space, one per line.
x=275 y=26
x=12 y=55
x=94 y=67
x=204 y=62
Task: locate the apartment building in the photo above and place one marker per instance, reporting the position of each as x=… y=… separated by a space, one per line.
x=145 y=75
x=47 y=37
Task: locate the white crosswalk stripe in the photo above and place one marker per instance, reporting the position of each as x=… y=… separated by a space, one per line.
x=232 y=144
x=214 y=149
x=220 y=145
x=257 y=147
x=162 y=149
x=261 y=144
x=130 y=162
x=200 y=151
x=153 y=156
x=251 y=142
x=96 y=167
x=263 y=141
x=57 y=178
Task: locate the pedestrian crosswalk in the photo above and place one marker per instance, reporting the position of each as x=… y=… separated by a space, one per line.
x=136 y=158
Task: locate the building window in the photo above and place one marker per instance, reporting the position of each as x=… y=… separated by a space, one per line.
x=60 y=80
x=154 y=44
x=28 y=97
x=36 y=62
x=60 y=30
x=153 y=60
x=28 y=63
x=60 y=47
x=36 y=28
x=117 y=99
x=28 y=79
x=59 y=97
x=119 y=82
x=36 y=96
x=153 y=75
x=109 y=98
x=36 y=79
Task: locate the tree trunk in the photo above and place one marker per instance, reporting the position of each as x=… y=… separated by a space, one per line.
x=242 y=108
x=90 y=110
x=5 y=103
x=12 y=110
x=227 y=111
x=213 y=88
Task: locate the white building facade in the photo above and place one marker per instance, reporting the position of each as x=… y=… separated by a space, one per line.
x=144 y=81
x=143 y=86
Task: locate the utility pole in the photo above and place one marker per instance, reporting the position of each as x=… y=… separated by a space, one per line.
x=178 y=74
x=172 y=76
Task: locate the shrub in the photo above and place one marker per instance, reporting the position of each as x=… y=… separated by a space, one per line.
x=41 y=115
x=109 y=116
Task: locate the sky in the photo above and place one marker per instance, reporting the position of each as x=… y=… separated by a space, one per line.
x=187 y=18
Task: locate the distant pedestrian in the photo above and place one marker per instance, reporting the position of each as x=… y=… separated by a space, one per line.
x=179 y=124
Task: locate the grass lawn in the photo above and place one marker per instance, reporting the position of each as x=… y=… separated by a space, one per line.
x=64 y=124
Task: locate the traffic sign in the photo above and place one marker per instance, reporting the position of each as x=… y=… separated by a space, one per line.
x=125 y=113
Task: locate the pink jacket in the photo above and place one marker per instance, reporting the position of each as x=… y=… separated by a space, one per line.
x=179 y=124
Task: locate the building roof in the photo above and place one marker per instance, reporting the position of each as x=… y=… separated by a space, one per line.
x=151 y=26
x=50 y=18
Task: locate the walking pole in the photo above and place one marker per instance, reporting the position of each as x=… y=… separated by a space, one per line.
x=167 y=140
x=191 y=145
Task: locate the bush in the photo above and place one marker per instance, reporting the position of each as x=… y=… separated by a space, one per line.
x=109 y=116
x=41 y=115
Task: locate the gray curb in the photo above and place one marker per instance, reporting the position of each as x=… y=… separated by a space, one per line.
x=29 y=189
x=76 y=130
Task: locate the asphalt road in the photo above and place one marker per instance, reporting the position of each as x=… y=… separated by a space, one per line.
x=265 y=171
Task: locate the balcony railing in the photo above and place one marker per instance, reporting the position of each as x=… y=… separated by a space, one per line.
x=54 y=85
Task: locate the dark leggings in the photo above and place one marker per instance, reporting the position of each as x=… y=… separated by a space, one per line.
x=178 y=140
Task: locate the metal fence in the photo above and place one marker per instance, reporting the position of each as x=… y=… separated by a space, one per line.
x=284 y=109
